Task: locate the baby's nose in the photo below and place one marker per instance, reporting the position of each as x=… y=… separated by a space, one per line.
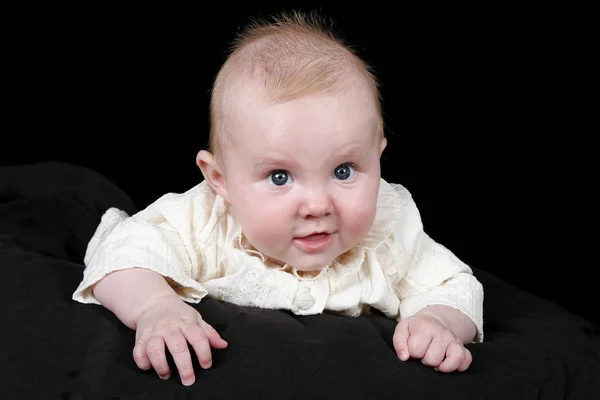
x=316 y=204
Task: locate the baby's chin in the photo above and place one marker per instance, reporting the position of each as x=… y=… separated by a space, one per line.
x=310 y=264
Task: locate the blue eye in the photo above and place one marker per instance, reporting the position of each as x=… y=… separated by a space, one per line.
x=344 y=172
x=278 y=178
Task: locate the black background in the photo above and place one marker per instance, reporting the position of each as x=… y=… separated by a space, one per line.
x=485 y=112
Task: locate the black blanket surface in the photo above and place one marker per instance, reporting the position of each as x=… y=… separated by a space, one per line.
x=52 y=347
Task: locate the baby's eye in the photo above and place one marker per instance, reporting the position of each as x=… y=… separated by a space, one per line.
x=344 y=172
x=278 y=178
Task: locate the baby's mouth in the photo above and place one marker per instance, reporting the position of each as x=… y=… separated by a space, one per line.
x=315 y=236
x=314 y=242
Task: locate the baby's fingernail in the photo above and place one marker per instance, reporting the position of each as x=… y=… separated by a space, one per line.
x=403 y=356
x=165 y=376
x=436 y=369
x=207 y=365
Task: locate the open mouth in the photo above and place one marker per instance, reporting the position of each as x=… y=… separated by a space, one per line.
x=314 y=242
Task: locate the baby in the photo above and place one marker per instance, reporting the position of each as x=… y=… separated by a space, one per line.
x=292 y=214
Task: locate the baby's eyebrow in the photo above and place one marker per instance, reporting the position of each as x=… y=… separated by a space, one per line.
x=346 y=152
x=270 y=160
x=352 y=151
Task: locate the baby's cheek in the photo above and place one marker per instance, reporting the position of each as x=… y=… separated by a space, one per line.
x=266 y=224
x=359 y=220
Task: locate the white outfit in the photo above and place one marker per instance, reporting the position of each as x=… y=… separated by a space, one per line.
x=194 y=240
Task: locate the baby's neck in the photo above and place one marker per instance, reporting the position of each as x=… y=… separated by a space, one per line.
x=273 y=263
x=308 y=274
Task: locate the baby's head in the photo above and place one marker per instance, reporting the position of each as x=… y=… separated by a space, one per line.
x=296 y=137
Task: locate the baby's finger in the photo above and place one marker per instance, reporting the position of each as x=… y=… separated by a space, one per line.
x=178 y=348
x=213 y=336
x=199 y=341
x=435 y=352
x=467 y=362
x=139 y=355
x=418 y=343
x=400 y=339
x=155 y=349
x=455 y=355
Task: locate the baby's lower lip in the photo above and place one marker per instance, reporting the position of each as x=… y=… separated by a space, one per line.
x=313 y=242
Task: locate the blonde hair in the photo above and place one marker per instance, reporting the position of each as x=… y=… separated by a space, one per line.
x=291 y=55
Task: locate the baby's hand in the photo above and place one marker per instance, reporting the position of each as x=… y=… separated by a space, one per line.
x=172 y=322
x=426 y=338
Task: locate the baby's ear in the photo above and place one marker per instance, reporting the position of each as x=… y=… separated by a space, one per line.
x=212 y=172
x=382 y=145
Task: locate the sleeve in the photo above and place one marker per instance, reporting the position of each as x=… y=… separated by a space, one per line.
x=157 y=238
x=432 y=273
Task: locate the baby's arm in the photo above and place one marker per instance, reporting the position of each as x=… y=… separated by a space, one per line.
x=441 y=302
x=129 y=292
x=440 y=309
x=153 y=298
x=144 y=301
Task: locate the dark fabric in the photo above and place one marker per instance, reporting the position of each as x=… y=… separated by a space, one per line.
x=52 y=347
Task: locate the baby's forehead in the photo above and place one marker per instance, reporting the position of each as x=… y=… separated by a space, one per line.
x=246 y=91
x=315 y=117
x=248 y=94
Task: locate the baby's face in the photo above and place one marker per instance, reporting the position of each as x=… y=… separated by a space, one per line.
x=303 y=176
